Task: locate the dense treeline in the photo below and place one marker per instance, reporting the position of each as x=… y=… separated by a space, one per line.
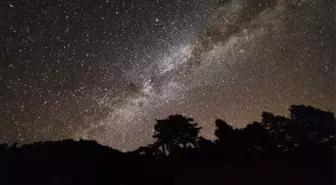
x=299 y=149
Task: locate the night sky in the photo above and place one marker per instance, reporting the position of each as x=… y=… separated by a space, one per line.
x=104 y=70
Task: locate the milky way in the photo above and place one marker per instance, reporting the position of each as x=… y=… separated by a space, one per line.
x=105 y=70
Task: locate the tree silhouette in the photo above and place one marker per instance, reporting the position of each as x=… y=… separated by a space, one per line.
x=223 y=131
x=307 y=126
x=277 y=128
x=229 y=140
x=311 y=126
x=204 y=145
x=174 y=131
x=256 y=138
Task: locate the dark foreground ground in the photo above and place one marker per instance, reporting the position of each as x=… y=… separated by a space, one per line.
x=85 y=162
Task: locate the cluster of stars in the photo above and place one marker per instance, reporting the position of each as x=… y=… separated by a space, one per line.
x=104 y=70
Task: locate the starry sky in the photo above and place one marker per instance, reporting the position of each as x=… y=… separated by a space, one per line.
x=104 y=70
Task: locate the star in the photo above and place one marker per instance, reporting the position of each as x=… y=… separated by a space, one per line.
x=106 y=70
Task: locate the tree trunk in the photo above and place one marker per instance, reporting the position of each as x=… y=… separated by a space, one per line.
x=163 y=149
